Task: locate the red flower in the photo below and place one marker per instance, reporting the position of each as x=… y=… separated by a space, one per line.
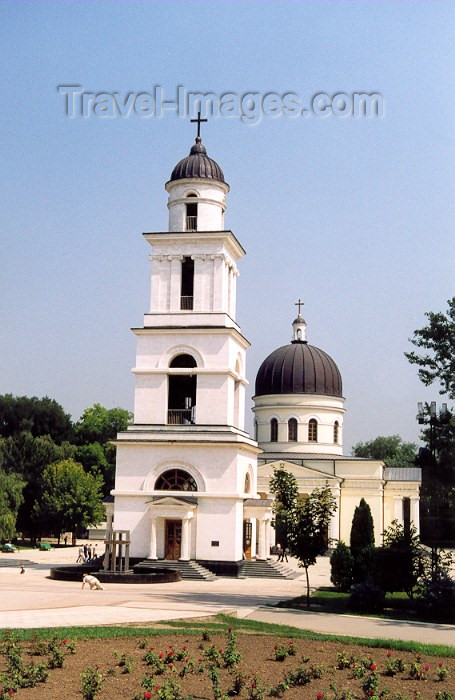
x=157 y=687
x=185 y=648
x=253 y=684
x=389 y=654
x=441 y=664
x=230 y=629
x=97 y=666
x=275 y=647
x=308 y=672
x=373 y=667
x=320 y=696
x=161 y=654
x=171 y=665
x=220 y=651
x=200 y=660
x=371 y=692
x=64 y=641
x=148 y=694
x=171 y=653
x=11 y=692
x=427 y=667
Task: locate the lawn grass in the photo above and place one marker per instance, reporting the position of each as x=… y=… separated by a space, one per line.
x=219 y=623
x=397 y=605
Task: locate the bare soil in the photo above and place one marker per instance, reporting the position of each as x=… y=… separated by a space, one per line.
x=258 y=656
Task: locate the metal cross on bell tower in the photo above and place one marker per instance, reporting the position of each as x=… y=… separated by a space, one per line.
x=198 y=120
x=299 y=304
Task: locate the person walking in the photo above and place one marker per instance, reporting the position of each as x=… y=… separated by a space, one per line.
x=80 y=558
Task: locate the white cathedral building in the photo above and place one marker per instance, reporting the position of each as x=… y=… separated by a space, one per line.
x=191 y=484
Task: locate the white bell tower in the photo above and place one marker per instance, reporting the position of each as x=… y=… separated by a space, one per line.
x=188 y=433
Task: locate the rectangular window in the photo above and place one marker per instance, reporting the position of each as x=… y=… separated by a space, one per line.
x=187 y=285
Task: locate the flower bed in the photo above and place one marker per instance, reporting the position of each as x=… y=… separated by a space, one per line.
x=211 y=665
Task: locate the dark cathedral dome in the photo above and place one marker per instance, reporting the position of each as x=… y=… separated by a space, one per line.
x=197 y=164
x=298 y=368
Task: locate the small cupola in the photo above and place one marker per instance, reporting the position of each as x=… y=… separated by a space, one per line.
x=299 y=327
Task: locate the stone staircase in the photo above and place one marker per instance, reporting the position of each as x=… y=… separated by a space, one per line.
x=267 y=569
x=190 y=570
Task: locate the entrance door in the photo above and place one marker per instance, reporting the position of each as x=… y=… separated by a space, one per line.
x=247 y=531
x=173 y=539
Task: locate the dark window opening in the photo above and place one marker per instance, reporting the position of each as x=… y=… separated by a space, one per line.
x=191 y=215
x=183 y=360
x=407 y=516
x=182 y=393
x=175 y=480
x=313 y=430
x=187 y=285
x=335 y=432
x=274 y=430
x=292 y=430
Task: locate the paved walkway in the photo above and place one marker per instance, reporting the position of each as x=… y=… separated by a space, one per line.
x=33 y=600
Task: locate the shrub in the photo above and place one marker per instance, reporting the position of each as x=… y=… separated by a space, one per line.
x=366 y=597
x=91 y=681
x=362 y=529
x=341 y=564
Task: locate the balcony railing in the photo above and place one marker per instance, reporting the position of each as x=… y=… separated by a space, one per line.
x=181 y=416
x=186 y=303
x=191 y=223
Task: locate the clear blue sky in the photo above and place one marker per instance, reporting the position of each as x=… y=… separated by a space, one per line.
x=355 y=216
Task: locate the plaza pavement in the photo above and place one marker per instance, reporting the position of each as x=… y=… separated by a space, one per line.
x=34 y=600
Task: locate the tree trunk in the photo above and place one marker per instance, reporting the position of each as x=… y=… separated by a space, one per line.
x=307 y=588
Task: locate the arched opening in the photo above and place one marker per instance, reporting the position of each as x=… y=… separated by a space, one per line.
x=292 y=430
x=313 y=430
x=336 y=426
x=191 y=214
x=274 y=430
x=247 y=487
x=175 y=480
x=182 y=392
x=407 y=515
x=256 y=429
x=187 y=284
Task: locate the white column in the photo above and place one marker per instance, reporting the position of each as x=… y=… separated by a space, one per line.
x=218 y=282
x=267 y=539
x=398 y=509
x=185 y=546
x=334 y=525
x=152 y=552
x=415 y=513
x=199 y=269
x=261 y=547
x=253 y=537
x=176 y=277
x=155 y=294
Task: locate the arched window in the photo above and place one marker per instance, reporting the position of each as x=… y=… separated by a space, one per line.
x=182 y=392
x=247 y=487
x=191 y=214
x=336 y=426
x=292 y=430
x=175 y=480
x=274 y=430
x=256 y=429
x=313 y=430
x=183 y=360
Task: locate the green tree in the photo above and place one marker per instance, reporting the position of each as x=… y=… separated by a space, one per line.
x=362 y=528
x=341 y=567
x=308 y=535
x=437 y=494
x=99 y=424
x=438 y=338
x=33 y=415
x=11 y=498
x=28 y=456
x=70 y=498
x=398 y=564
x=391 y=450
x=284 y=487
